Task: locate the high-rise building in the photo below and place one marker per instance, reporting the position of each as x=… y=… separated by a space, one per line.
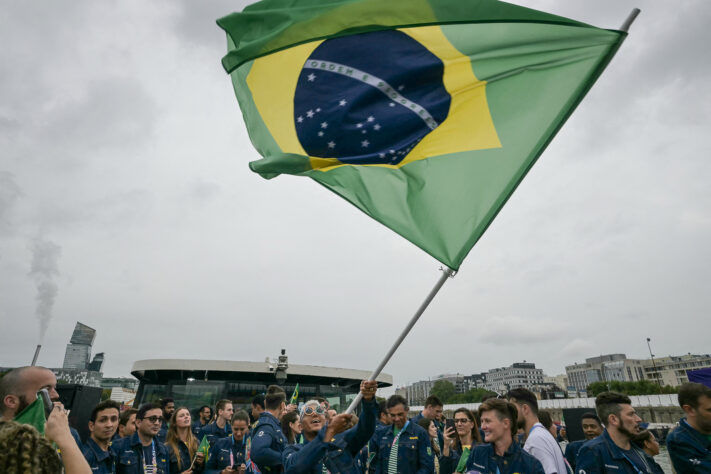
x=78 y=351
x=97 y=362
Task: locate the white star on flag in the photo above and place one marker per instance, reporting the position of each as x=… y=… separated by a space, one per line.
x=371 y=118
x=342 y=102
x=312 y=77
x=320 y=134
x=310 y=113
x=299 y=119
x=392 y=104
x=331 y=144
x=365 y=143
x=324 y=124
x=359 y=125
x=376 y=126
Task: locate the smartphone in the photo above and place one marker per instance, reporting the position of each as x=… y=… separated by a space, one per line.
x=46 y=401
x=449 y=423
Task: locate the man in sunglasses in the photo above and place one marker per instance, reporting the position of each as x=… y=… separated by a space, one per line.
x=332 y=446
x=142 y=452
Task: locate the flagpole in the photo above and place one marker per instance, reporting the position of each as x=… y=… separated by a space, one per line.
x=446 y=273
x=626 y=25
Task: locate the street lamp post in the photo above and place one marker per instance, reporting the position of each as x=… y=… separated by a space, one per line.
x=654 y=365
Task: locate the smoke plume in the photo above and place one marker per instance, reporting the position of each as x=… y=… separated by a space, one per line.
x=45 y=257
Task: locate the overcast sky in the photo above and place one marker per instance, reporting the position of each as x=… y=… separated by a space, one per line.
x=126 y=203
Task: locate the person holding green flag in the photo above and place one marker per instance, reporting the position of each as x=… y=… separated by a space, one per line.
x=458 y=441
x=229 y=455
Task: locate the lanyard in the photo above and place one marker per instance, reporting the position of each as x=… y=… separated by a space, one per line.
x=638 y=470
x=398 y=435
x=155 y=462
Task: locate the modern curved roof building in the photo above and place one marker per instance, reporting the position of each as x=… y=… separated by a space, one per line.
x=194 y=383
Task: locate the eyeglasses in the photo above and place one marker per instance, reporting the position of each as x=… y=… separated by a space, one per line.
x=154 y=419
x=461 y=421
x=311 y=409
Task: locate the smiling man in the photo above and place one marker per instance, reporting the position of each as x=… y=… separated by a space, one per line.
x=500 y=454
x=403 y=447
x=332 y=447
x=103 y=423
x=613 y=450
x=592 y=428
x=142 y=452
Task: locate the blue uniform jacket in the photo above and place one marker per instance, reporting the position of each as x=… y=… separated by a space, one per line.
x=447 y=464
x=214 y=432
x=100 y=461
x=162 y=432
x=219 y=457
x=571 y=451
x=414 y=450
x=268 y=442
x=440 y=427
x=689 y=450
x=601 y=455
x=483 y=460
x=197 y=426
x=129 y=456
x=340 y=454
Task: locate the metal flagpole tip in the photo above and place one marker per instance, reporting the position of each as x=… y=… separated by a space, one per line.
x=633 y=14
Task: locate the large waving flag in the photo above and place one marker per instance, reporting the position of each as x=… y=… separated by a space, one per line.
x=424 y=114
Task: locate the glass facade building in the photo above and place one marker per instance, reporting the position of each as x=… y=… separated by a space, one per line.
x=194 y=383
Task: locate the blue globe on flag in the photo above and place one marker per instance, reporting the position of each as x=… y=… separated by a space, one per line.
x=369 y=98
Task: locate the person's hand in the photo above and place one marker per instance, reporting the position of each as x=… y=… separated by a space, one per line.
x=228 y=470
x=337 y=424
x=242 y=468
x=57 y=427
x=450 y=434
x=290 y=407
x=189 y=471
x=368 y=388
x=199 y=457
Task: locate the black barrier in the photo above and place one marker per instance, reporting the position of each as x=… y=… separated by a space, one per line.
x=80 y=400
x=573 y=422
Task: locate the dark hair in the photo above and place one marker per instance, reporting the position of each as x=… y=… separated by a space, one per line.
x=641 y=437
x=258 y=400
x=382 y=407
x=126 y=415
x=274 y=398
x=433 y=401
x=425 y=422
x=591 y=416
x=105 y=405
x=476 y=436
x=488 y=396
x=289 y=417
x=221 y=404
x=504 y=410
x=240 y=415
x=396 y=400
x=546 y=419
x=164 y=402
x=203 y=407
x=690 y=392
x=146 y=407
x=608 y=403
x=525 y=397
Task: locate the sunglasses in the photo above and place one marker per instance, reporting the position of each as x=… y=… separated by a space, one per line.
x=154 y=419
x=311 y=409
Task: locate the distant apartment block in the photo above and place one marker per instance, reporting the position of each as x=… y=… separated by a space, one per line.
x=519 y=374
x=672 y=370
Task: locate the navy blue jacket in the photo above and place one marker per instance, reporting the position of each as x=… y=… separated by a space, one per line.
x=268 y=443
x=689 y=450
x=219 y=457
x=440 y=428
x=197 y=426
x=483 y=459
x=100 y=461
x=602 y=455
x=571 y=451
x=338 y=455
x=414 y=450
x=214 y=432
x=162 y=432
x=129 y=456
x=185 y=459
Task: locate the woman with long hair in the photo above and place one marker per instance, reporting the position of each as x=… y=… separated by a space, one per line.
x=459 y=441
x=431 y=428
x=183 y=444
x=291 y=427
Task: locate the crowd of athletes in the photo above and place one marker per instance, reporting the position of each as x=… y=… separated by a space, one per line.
x=506 y=434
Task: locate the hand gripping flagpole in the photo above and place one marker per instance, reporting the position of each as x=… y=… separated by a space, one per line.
x=446 y=273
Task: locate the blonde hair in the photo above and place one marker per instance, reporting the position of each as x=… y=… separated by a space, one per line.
x=173 y=440
x=24 y=451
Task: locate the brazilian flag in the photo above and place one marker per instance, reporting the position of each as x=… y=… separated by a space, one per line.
x=424 y=114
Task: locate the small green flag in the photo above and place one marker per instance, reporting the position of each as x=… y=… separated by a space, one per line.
x=295 y=395
x=33 y=415
x=204 y=447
